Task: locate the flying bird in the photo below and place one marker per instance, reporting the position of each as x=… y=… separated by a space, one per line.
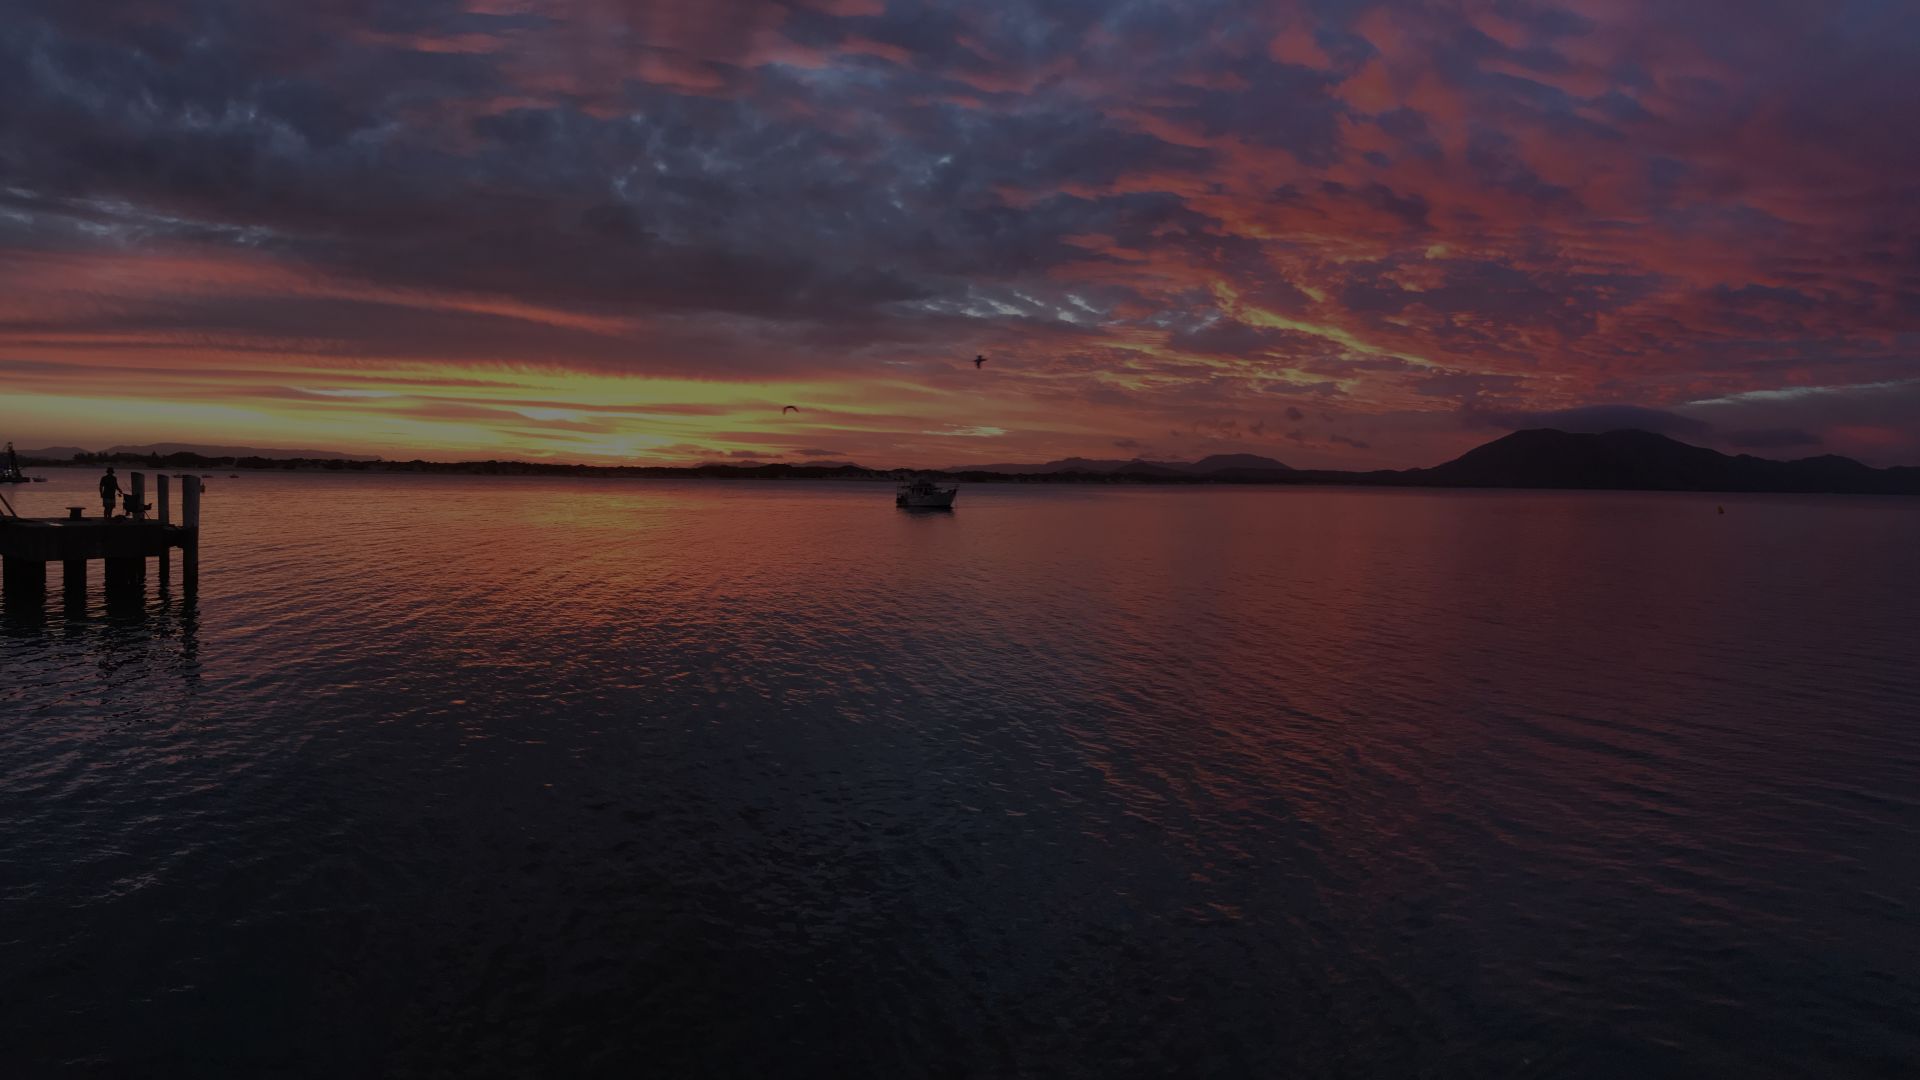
x=977 y=361
x=788 y=409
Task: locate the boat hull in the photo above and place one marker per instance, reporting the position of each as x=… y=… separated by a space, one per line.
x=924 y=494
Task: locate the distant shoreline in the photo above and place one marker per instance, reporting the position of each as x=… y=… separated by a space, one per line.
x=1540 y=459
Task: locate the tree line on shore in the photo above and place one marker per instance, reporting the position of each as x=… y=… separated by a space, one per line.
x=1540 y=458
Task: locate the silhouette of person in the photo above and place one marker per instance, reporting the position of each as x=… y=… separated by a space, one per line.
x=109 y=487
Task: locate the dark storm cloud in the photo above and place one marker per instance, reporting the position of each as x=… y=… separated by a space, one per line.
x=1495 y=162
x=1509 y=205
x=681 y=202
x=1228 y=337
x=1271 y=104
x=1412 y=210
x=1473 y=306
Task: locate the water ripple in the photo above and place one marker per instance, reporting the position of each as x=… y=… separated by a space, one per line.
x=450 y=776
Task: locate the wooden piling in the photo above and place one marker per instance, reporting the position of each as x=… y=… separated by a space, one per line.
x=139 y=495
x=23 y=582
x=126 y=575
x=126 y=584
x=190 y=541
x=165 y=485
x=73 y=582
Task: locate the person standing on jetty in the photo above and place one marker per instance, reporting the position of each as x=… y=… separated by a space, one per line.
x=109 y=487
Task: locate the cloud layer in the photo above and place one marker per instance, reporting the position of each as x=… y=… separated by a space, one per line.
x=1341 y=232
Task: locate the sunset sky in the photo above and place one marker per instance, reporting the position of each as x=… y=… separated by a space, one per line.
x=1341 y=233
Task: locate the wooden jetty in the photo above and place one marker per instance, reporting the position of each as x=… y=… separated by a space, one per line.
x=124 y=544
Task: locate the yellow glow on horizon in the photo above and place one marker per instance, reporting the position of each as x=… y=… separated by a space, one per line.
x=452 y=410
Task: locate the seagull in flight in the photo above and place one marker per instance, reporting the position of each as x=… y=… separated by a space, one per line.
x=977 y=361
x=790 y=408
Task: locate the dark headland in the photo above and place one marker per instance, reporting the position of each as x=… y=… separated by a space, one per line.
x=1625 y=460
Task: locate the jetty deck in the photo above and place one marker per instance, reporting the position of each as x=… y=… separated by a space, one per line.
x=123 y=544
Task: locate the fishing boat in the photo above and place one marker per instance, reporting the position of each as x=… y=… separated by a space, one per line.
x=920 y=493
x=10 y=472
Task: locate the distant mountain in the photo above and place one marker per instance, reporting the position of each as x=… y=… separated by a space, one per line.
x=1072 y=464
x=1216 y=462
x=1133 y=467
x=1150 y=468
x=234 y=452
x=1642 y=460
x=1539 y=458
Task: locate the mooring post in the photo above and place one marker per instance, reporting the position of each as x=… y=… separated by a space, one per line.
x=24 y=582
x=161 y=480
x=73 y=582
x=139 y=496
x=126 y=579
x=190 y=501
x=190 y=544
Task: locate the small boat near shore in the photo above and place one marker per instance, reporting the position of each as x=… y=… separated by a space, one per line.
x=920 y=493
x=10 y=471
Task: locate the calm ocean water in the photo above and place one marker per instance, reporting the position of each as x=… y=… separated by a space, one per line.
x=466 y=776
